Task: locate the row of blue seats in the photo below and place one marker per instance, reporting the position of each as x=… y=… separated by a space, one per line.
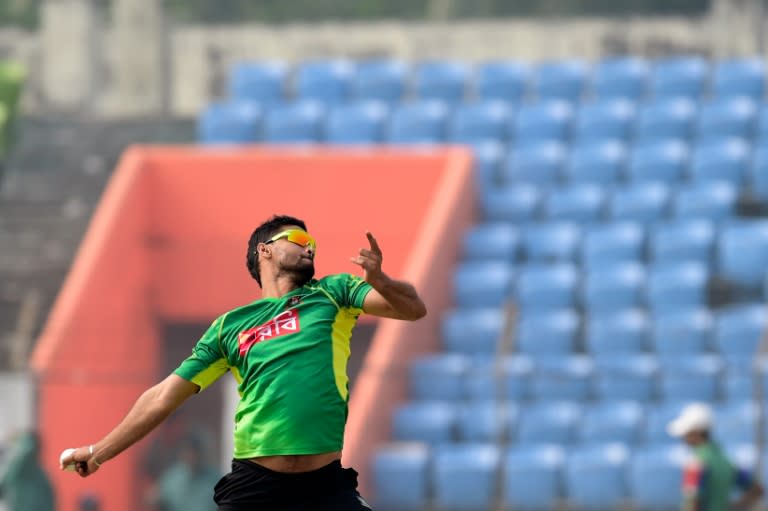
x=333 y=81
x=478 y=477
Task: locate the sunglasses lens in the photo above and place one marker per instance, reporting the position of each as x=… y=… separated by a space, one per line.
x=301 y=238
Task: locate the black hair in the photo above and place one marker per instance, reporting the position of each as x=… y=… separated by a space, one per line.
x=262 y=234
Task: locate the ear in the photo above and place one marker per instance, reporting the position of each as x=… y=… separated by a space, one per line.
x=265 y=252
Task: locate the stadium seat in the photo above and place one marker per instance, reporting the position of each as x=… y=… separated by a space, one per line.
x=622 y=77
x=380 y=80
x=430 y=422
x=757 y=184
x=260 y=82
x=532 y=477
x=554 y=422
x=663 y=119
x=483 y=284
x=401 y=477
x=739 y=78
x=611 y=243
x=739 y=330
x=419 y=122
x=299 y=122
x=726 y=118
x=325 y=81
x=499 y=378
x=618 y=421
x=721 y=160
x=234 y=122
x=614 y=286
x=618 y=333
x=640 y=202
x=738 y=385
x=465 y=477
x=566 y=378
x=502 y=81
x=691 y=378
x=551 y=241
x=474 y=331
x=742 y=253
x=582 y=203
x=658 y=160
x=485 y=421
x=657 y=418
x=675 y=286
x=441 y=80
x=356 y=123
x=736 y=422
x=492 y=241
x=487 y=158
x=539 y=163
x=683 y=240
x=511 y=203
x=438 y=377
x=744 y=455
x=679 y=77
x=542 y=287
x=480 y=122
x=712 y=200
x=516 y=372
x=547 y=333
x=655 y=477
x=681 y=333
x=605 y=120
x=626 y=377
x=595 y=476
x=562 y=79
x=596 y=162
x=543 y=121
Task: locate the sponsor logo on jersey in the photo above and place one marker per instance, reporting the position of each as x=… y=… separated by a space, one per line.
x=287 y=322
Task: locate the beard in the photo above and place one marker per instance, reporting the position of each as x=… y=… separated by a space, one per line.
x=301 y=272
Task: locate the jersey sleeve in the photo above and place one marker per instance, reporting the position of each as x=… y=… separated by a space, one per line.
x=348 y=290
x=207 y=362
x=694 y=474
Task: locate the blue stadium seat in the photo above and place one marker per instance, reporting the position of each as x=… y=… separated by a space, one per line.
x=474 y=331
x=431 y=422
x=380 y=80
x=485 y=421
x=438 y=377
x=739 y=329
x=612 y=242
x=691 y=378
x=441 y=80
x=299 y=122
x=724 y=118
x=641 y=202
x=547 y=333
x=740 y=78
x=677 y=286
x=721 y=160
x=757 y=184
x=493 y=241
x=736 y=422
x=605 y=120
x=502 y=81
x=614 y=286
x=596 y=162
x=679 y=77
x=552 y=241
x=621 y=77
x=681 y=333
x=655 y=476
x=626 y=377
x=512 y=203
x=480 y=122
x=543 y=121
x=658 y=160
x=356 y=123
x=683 y=240
x=657 y=418
x=561 y=79
x=324 y=81
x=554 y=422
x=419 y=122
x=483 y=284
x=532 y=476
x=712 y=200
x=465 y=477
x=499 y=378
x=566 y=378
x=743 y=455
x=618 y=421
x=487 y=158
x=742 y=253
x=401 y=477
x=738 y=385
x=235 y=122
x=581 y=203
x=542 y=287
x=617 y=333
x=540 y=163
x=260 y=82
x=595 y=476
x=670 y=118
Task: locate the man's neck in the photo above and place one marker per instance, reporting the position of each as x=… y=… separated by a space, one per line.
x=277 y=286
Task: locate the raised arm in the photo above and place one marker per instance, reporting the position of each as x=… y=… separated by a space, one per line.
x=152 y=408
x=389 y=298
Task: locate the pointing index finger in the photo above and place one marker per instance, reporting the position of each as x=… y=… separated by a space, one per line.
x=374 y=244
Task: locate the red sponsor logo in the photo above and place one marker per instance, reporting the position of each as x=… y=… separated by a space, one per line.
x=287 y=322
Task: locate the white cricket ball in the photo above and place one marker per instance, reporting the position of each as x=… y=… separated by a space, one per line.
x=64 y=454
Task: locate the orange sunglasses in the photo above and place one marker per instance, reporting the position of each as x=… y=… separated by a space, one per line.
x=297 y=236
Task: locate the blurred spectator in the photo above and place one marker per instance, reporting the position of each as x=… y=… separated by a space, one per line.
x=24 y=485
x=88 y=502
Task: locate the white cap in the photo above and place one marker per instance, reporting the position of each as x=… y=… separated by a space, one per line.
x=694 y=417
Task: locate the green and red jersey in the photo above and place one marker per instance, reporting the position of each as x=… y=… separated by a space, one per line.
x=709 y=477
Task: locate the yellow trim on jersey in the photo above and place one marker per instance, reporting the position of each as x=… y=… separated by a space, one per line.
x=341 y=333
x=210 y=374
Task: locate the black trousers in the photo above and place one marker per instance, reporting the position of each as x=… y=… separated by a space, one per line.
x=251 y=487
